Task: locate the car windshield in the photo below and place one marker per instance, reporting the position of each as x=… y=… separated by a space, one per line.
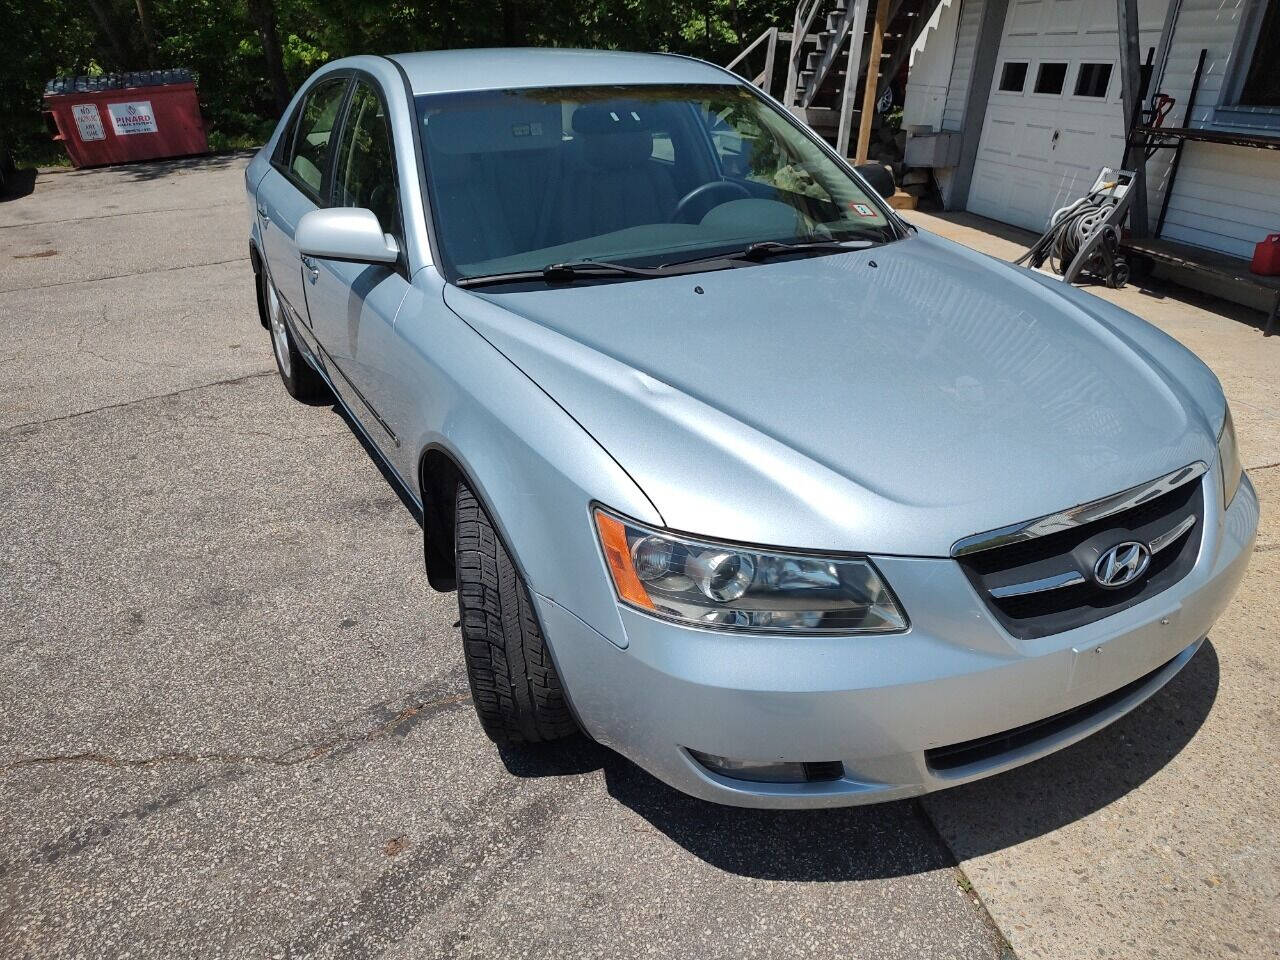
x=640 y=175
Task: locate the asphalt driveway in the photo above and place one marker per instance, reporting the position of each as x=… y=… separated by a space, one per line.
x=234 y=720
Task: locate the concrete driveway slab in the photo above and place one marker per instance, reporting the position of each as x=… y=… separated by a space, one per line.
x=1157 y=836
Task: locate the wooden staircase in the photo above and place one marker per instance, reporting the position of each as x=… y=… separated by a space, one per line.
x=828 y=51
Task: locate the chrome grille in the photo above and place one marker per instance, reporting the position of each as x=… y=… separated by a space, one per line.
x=1048 y=575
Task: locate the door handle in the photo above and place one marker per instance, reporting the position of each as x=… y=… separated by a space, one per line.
x=312 y=267
x=262 y=212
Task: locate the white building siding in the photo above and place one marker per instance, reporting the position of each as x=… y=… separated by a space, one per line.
x=962 y=64
x=1224 y=198
x=961 y=71
x=929 y=79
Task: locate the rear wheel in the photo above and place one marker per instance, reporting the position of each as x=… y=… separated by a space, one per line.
x=514 y=685
x=298 y=376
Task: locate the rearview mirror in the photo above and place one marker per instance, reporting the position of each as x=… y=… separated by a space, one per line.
x=345 y=233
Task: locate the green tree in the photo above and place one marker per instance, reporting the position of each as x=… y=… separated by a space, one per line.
x=249 y=55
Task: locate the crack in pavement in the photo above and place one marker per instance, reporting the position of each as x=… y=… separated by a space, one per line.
x=120 y=276
x=304 y=753
x=108 y=216
x=390 y=907
x=243 y=378
x=392 y=722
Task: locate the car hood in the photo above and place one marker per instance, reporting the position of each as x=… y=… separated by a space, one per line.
x=891 y=400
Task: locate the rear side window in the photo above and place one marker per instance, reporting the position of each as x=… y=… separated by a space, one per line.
x=364 y=173
x=313 y=130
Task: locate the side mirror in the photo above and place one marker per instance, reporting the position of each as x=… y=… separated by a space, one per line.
x=345 y=233
x=878 y=176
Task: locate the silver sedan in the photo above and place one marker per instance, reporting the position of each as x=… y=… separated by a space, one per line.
x=734 y=471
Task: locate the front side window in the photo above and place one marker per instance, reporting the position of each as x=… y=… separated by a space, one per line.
x=646 y=175
x=314 y=127
x=364 y=174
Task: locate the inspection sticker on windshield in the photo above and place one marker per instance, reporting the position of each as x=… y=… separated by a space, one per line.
x=862 y=210
x=88 y=122
x=135 y=117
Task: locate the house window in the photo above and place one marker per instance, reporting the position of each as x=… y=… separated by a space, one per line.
x=1051 y=77
x=1261 y=86
x=1093 y=80
x=1013 y=77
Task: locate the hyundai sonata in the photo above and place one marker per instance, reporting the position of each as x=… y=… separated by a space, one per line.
x=786 y=500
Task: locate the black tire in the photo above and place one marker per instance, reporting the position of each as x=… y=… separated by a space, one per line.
x=297 y=374
x=514 y=685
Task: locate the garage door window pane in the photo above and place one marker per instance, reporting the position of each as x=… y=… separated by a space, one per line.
x=1093 y=80
x=1051 y=77
x=1013 y=77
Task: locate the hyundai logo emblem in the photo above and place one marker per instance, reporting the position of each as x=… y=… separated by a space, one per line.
x=1122 y=564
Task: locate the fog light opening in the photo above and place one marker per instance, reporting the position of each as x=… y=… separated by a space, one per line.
x=768 y=771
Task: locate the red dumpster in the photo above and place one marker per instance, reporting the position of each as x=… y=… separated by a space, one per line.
x=122 y=117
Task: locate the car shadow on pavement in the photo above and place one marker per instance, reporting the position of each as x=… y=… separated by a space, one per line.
x=900 y=838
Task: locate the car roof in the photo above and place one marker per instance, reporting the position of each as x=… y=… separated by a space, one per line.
x=445 y=71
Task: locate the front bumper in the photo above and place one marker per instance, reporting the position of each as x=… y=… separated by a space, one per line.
x=877 y=704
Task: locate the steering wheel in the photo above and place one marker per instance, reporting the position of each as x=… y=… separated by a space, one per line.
x=686 y=208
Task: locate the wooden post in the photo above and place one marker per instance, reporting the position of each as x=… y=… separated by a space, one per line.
x=870 y=88
x=770 y=50
x=851 y=71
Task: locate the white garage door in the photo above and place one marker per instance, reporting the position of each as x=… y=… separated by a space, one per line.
x=1054 y=117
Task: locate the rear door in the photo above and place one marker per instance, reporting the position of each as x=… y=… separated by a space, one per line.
x=296 y=184
x=353 y=305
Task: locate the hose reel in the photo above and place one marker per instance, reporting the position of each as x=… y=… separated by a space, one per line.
x=1084 y=236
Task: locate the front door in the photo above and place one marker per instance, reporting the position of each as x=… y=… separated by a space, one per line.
x=353 y=306
x=1054 y=117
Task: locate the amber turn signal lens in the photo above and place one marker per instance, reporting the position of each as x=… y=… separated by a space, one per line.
x=613 y=537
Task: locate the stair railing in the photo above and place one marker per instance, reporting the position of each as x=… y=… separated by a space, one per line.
x=834 y=44
x=806 y=12
x=764 y=80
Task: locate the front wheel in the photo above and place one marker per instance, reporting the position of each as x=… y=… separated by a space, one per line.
x=514 y=685
x=298 y=376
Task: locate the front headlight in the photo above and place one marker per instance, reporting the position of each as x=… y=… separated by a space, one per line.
x=744 y=588
x=1229 y=459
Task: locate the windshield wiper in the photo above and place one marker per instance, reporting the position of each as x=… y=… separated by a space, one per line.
x=585 y=270
x=764 y=249
x=591 y=269
x=776 y=248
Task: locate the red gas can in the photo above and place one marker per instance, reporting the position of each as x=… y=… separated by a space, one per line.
x=123 y=117
x=1266 y=257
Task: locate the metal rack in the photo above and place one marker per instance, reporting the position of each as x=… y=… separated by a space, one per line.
x=1145 y=138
